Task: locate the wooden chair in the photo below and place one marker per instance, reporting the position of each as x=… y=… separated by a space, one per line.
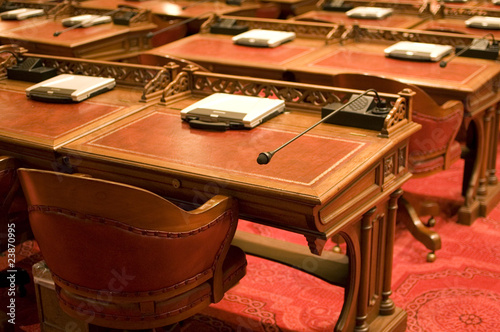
x=122 y=257
x=12 y=204
x=432 y=149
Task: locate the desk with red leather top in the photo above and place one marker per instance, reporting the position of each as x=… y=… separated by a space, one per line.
x=395 y=20
x=473 y=81
x=105 y=41
x=332 y=181
x=180 y=9
x=455 y=25
x=33 y=130
x=219 y=54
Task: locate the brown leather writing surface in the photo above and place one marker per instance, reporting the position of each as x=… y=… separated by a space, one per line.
x=457 y=26
x=456 y=72
x=162 y=136
x=23 y=116
x=226 y=50
x=393 y=21
x=45 y=32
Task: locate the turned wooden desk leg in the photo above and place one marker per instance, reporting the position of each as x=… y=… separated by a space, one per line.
x=365 y=246
x=387 y=306
x=486 y=134
x=492 y=164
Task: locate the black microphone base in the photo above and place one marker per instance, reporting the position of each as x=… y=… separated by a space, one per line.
x=490 y=53
x=34 y=75
x=364 y=119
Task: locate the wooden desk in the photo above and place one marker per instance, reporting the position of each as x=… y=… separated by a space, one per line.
x=395 y=20
x=455 y=25
x=351 y=191
x=178 y=8
x=104 y=42
x=32 y=131
x=217 y=52
x=473 y=81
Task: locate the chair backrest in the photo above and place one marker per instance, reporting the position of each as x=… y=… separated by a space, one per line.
x=8 y=184
x=440 y=123
x=124 y=243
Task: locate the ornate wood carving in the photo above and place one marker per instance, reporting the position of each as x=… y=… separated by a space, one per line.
x=360 y=33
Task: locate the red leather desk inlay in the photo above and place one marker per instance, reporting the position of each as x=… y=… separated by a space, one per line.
x=375 y=63
x=44 y=32
x=226 y=50
x=457 y=26
x=165 y=137
x=394 y=21
x=45 y=120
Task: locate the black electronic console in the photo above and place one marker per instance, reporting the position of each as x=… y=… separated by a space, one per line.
x=227 y=26
x=365 y=112
x=480 y=48
x=336 y=6
x=31 y=70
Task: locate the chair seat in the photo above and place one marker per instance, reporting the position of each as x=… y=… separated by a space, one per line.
x=429 y=166
x=147 y=314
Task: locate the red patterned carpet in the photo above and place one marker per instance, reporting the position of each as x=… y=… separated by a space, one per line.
x=460 y=291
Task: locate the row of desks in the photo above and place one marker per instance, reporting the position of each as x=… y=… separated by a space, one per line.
x=316 y=60
x=352 y=191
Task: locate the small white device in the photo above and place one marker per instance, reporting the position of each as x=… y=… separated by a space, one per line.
x=483 y=22
x=226 y=111
x=69 y=88
x=373 y=13
x=418 y=51
x=263 y=38
x=21 y=14
x=86 y=21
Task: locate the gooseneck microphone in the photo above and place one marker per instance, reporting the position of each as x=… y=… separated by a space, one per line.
x=265 y=157
x=482 y=42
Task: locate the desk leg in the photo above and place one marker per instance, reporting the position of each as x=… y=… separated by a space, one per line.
x=473 y=157
x=492 y=165
x=366 y=247
x=486 y=134
x=387 y=306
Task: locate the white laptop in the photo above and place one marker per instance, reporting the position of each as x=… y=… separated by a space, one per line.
x=69 y=88
x=263 y=38
x=21 y=14
x=374 y=13
x=228 y=111
x=86 y=20
x=483 y=22
x=418 y=51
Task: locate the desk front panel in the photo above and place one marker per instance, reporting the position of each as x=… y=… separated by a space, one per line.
x=156 y=150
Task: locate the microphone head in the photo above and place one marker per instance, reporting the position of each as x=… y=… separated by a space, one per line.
x=264 y=158
x=442 y=64
x=57 y=33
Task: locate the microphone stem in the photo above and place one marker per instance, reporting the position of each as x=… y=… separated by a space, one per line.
x=324 y=119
